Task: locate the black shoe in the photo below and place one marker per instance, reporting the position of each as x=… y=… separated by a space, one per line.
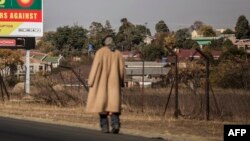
x=115 y=129
x=105 y=130
x=104 y=123
x=115 y=123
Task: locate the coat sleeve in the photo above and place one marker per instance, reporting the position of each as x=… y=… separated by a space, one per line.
x=94 y=69
x=122 y=69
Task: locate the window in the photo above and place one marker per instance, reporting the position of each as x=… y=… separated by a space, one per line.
x=40 y=68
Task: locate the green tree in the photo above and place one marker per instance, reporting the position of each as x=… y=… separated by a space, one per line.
x=233 y=52
x=216 y=44
x=152 y=53
x=124 y=35
x=242 y=30
x=206 y=31
x=228 y=31
x=139 y=34
x=181 y=36
x=189 y=43
x=130 y=35
x=108 y=28
x=97 y=32
x=70 y=37
x=161 y=27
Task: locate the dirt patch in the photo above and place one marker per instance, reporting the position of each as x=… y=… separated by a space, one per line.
x=132 y=123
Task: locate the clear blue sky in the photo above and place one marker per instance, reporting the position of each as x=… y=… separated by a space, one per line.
x=176 y=13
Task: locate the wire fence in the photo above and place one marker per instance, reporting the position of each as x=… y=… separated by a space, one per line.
x=63 y=88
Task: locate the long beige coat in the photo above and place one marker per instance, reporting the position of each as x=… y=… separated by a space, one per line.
x=106 y=75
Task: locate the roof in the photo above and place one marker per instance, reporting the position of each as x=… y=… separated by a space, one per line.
x=184 y=54
x=51 y=59
x=42 y=57
x=204 y=42
x=33 y=53
x=147 y=71
x=206 y=38
x=241 y=42
x=146 y=64
x=38 y=57
x=33 y=61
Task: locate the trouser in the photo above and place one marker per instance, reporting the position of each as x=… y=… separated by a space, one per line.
x=115 y=122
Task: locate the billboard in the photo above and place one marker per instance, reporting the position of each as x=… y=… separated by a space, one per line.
x=21 y=18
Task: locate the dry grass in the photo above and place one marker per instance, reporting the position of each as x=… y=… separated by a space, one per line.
x=66 y=104
x=234 y=108
x=132 y=123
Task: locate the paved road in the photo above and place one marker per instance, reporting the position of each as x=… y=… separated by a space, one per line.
x=21 y=130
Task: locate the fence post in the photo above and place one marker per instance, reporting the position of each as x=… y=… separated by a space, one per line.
x=176 y=113
x=207 y=115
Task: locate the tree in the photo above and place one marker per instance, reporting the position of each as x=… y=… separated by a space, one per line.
x=231 y=74
x=181 y=36
x=124 y=35
x=152 y=53
x=196 y=25
x=130 y=35
x=228 y=31
x=46 y=47
x=97 y=32
x=206 y=31
x=10 y=59
x=65 y=39
x=47 y=43
x=140 y=32
x=161 y=27
x=216 y=44
x=232 y=52
x=242 y=30
x=73 y=37
x=108 y=28
x=169 y=40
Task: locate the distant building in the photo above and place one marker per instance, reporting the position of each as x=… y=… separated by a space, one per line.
x=148 y=40
x=39 y=62
x=204 y=41
x=131 y=55
x=153 y=73
x=194 y=34
x=243 y=44
x=185 y=55
x=220 y=30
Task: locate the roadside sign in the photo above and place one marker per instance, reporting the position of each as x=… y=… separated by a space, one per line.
x=7 y=42
x=21 y=18
x=17 y=42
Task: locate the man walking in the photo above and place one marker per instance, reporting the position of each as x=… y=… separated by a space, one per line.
x=105 y=81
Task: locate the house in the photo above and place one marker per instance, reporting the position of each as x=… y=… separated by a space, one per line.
x=39 y=62
x=221 y=30
x=131 y=55
x=243 y=44
x=153 y=73
x=203 y=41
x=148 y=40
x=185 y=55
x=35 y=66
x=194 y=34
